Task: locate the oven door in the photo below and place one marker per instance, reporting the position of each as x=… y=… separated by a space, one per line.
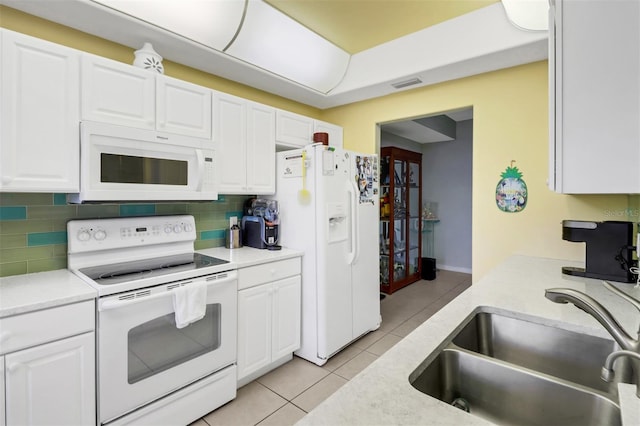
x=142 y=355
x=124 y=164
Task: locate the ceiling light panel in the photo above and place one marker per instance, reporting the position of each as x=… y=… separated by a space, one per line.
x=212 y=23
x=271 y=40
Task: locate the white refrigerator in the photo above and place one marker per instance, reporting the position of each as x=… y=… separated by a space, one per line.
x=329 y=209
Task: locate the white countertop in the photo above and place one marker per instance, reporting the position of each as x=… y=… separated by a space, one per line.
x=20 y=294
x=249 y=256
x=382 y=395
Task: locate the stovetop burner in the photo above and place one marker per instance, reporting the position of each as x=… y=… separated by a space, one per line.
x=154 y=267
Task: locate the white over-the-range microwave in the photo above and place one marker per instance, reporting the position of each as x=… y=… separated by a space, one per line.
x=120 y=163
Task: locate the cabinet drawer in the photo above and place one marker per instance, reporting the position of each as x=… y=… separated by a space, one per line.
x=267 y=272
x=39 y=327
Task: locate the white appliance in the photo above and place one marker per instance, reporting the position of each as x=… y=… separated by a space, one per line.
x=336 y=225
x=153 y=368
x=120 y=163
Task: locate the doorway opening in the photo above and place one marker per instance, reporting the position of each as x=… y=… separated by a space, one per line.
x=445 y=142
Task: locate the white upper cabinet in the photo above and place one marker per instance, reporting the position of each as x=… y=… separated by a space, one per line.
x=244 y=134
x=230 y=129
x=261 y=149
x=117 y=93
x=183 y=108
x=296 y=131
x=335 y=132
x=293 y=130
x=594 y=63
x=39 y=130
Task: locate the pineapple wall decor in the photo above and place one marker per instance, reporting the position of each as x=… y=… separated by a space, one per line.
x=511 y=191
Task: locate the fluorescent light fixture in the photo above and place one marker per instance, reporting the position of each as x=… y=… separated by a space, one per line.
x=532 y=15
x=271 y=40
x=212 y=23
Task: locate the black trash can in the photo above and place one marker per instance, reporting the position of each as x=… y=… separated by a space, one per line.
x=428 y=268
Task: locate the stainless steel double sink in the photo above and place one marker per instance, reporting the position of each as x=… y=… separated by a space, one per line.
x=515 y=371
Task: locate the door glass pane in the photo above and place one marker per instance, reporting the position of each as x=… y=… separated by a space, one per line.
x=414 y=217
x=158 y=345
x=399 y=249
x=384 y=251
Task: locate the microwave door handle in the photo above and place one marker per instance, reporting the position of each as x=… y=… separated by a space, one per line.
x=200 y=160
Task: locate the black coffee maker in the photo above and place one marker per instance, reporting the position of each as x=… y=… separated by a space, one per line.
x=260 y=224
x=609 y=252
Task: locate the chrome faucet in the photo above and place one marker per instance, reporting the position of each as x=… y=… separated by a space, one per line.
x=607 y=370
x=604 y=317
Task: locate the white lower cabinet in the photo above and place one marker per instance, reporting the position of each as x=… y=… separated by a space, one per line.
x=268 y=326
x=52 y=384
x=47 y=367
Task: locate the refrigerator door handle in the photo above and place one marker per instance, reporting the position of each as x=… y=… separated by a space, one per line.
x=352 y=190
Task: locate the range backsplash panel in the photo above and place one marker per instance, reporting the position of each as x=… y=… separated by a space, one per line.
x=33 y=226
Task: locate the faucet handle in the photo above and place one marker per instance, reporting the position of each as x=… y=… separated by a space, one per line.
x=635 y=302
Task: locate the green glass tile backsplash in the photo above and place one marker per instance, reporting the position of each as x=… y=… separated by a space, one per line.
x=33 y=227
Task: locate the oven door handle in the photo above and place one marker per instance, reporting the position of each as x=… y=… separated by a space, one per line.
x=107 y=305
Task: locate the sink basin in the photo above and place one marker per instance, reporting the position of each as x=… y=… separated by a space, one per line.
x=510 y=370
x=561 y=353
x=504 y=394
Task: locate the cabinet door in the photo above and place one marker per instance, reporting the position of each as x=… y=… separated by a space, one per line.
x=293 y=129
x=261 y=149
x=52 y=384
x=183 y=108
x=39 y=136
x=117 y=93
x=595 y=100
x=254 y=329
x=230 y=128
x=287 y=302
x=335 y=132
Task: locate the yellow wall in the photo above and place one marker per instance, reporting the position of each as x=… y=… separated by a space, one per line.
x=510 y=123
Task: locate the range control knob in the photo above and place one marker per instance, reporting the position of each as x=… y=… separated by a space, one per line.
x=168 y=229
x=100 y=235
x=84 y=235
x=177 y=229
x=188 y=227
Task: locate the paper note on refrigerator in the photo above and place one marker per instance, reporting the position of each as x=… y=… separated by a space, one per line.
x=292 y=166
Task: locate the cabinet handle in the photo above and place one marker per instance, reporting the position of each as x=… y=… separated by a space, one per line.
x=164 y=138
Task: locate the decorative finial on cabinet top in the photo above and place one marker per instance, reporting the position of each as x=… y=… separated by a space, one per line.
x=148 y=58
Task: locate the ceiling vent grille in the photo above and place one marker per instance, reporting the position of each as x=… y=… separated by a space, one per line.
x=405 y=83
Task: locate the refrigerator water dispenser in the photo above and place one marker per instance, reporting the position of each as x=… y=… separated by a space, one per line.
x=337 y=222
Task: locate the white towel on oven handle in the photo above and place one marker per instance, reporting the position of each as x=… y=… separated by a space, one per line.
x=189 y=303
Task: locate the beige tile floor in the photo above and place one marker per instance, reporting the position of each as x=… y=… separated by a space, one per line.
x=286 y=394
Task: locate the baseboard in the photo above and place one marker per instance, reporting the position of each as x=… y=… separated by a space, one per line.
x=454 y=268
